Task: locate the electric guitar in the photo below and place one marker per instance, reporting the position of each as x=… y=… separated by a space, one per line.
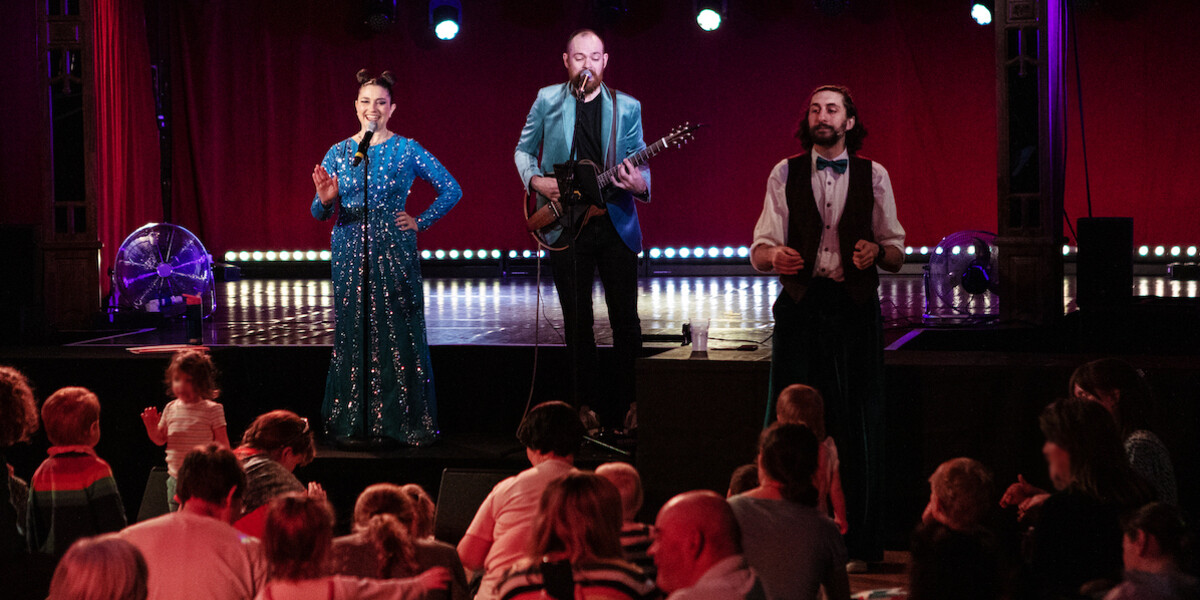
x=582 y=185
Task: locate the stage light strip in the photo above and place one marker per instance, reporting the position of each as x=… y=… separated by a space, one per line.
x=1151 y=253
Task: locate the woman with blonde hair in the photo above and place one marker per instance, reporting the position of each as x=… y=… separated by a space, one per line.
x=575 y=549
x=386 y=543
x=105 y=567
x=298 y=545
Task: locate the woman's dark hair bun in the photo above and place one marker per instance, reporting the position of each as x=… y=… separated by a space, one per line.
x=363 y=76
x=388 y=77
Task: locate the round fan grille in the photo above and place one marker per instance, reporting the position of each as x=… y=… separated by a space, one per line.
x=961 y=282
x=159 y=263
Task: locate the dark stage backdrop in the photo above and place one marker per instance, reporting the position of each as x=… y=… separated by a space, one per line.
x=264 y=88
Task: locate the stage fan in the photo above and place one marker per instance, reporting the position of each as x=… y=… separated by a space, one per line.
x=961 y=280
x=159 y=263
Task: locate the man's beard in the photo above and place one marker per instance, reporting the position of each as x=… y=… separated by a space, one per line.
x=826 y=136
x=593 y=82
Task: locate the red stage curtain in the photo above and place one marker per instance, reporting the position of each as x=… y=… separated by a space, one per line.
x=263 y=91
x=127 y=153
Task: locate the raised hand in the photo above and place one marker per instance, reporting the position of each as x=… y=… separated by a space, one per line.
x=153 y=422
x=327 y=185
x=151 y=417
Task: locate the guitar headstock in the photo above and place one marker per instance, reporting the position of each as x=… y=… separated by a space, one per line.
x=682 y=134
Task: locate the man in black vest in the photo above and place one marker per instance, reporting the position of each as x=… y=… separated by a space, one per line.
x=828 y=221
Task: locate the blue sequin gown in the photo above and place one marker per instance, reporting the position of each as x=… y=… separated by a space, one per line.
x=401 y=404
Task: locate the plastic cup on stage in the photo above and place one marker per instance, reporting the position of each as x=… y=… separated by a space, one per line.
x=699 y=336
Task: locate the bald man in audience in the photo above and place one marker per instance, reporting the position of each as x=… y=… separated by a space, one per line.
x=697 y=549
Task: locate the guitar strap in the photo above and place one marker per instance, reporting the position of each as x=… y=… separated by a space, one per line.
x=611 y=160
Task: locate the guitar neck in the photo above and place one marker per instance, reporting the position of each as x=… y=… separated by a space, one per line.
x=606 y=178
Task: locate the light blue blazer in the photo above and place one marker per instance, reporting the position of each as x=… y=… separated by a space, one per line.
x=550 y=126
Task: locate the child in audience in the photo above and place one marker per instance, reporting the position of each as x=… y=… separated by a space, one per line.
x=384 y=544
x=193 y=418
x=744 y=479
x=425 y=511
x=298 y=545
x=802 y=405
x=954 y=555
x=73 y=493
x=635 y=536
x=100 y=568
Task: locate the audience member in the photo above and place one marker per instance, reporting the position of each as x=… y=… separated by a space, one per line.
x=800 y=404
x=100 y=568
x=792 y=546
x=73 y=493
x=192 y=419
x=272 y=447
x=698 y=551
x=195 y=552
x=953 y=554
x=744 y=479
x=1121 y=389
x=1076 y=534
x=499 y=534
x=574 y=551
x=298 y=543
x=635 y=536
x=1155 y=545
x=425 y=511
x=24 y=575
x=385 y=543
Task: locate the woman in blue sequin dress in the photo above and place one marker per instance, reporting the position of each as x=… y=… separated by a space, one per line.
x=399 y=403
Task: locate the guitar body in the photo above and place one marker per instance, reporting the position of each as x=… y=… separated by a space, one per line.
x=547 y=220
x=581 y=188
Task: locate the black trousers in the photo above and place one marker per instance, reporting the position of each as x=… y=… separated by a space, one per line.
x=828 y=341
x=599 y=249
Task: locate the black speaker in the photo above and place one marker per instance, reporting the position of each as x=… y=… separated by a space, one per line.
x=459 y=497
x=1104 y=265
x=154 y=498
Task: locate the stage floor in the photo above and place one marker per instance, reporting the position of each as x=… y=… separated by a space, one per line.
x=505 y=311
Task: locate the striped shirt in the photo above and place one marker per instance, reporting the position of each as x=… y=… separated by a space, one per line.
x=635 y=541
x=72 y=495
x=606 y=580
x=187 y=426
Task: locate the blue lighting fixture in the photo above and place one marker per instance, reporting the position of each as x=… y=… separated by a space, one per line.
x=710 y=14
x=982 y=12
x=445 y=17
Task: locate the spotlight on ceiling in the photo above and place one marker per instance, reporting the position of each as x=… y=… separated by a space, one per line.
x=445 y=16
x=831 y=8
x=982 y=12
x=710 y=14
x=379 y=14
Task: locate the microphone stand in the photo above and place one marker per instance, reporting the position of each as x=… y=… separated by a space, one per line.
x=364 y=441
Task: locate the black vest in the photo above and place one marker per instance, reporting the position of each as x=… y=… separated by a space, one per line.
x=805 y=227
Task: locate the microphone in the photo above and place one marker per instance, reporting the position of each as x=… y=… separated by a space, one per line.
x=365 y=143
x=583 y=78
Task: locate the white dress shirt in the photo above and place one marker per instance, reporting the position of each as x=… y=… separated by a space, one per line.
x=829 y=190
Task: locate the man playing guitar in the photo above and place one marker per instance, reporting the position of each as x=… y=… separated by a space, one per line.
x=583 y=119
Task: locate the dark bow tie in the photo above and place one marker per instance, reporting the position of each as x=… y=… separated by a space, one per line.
x=838 y=166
